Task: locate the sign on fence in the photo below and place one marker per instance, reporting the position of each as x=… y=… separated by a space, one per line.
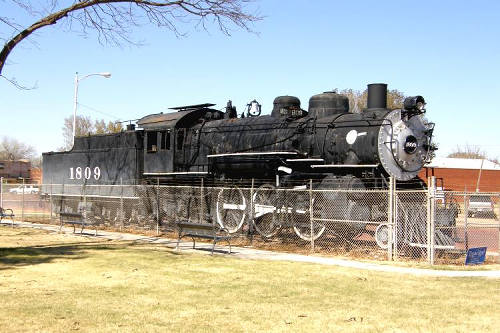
x=475 y=256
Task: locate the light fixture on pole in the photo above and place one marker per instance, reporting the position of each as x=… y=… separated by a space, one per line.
x=106 y=75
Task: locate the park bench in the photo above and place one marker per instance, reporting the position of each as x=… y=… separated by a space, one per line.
x=6 y=213
x=202 y=230
x=80 y=218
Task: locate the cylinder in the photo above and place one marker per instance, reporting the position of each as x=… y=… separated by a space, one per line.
x=377 y=96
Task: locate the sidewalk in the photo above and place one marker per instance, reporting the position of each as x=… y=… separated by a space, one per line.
x=250 y=253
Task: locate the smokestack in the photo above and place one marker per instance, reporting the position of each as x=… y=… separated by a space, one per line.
x=377 y=96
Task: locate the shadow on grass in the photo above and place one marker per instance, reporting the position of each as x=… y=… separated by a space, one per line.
x=39 y=254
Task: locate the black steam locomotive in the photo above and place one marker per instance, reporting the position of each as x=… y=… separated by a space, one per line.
x=326 y=143
x=198 y=140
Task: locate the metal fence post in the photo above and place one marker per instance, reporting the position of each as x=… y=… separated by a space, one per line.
x=428 y=219
x=498 y=220
x=395 y=207
x=122 y=213
x=157 y=206
x=390 y=219
x=201 y=201
x=50 y=201
x=1 y=191
x=251 y=215
x=22 y=204
x=466 y=215
x=61 y=199
x=432 y=233
x=84 y=213
x=311 y=212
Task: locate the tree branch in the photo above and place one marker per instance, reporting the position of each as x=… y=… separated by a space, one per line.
x=14 y=82
x=113 y=19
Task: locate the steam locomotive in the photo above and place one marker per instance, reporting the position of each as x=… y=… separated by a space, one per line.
x=326 y=143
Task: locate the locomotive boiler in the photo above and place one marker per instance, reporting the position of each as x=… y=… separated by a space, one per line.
x=326 y=139
x=326 y=144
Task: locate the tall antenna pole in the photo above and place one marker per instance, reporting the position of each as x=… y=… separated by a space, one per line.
x=479 y=176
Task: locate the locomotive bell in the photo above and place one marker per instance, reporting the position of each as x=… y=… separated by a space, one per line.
x=253 y=109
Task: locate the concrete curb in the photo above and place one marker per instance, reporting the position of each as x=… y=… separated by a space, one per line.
x=250 y=253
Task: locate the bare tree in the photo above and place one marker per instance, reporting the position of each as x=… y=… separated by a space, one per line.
x=12 y=149
x=114 y=127
x=86 y=126
x=358 y=99
x=355 y=99
x=113 y=20
x=100 y=126
x=468 y=151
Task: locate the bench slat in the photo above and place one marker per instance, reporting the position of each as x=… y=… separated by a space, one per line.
x=69 y=218
x=202 y=230
x=5 y=215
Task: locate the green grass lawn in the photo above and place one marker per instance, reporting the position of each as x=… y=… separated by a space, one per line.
x=61 y=283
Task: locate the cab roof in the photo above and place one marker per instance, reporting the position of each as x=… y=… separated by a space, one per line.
x=180 y=119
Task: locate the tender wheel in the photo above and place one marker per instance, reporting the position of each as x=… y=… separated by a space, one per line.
x=303 y=230
x=266 y=221
x=231 y=209
x=302 y=222
x=382 y=236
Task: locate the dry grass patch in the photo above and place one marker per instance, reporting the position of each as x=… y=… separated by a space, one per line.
x=58 y=283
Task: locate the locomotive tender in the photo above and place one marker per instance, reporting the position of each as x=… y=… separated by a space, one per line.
x=326 y=143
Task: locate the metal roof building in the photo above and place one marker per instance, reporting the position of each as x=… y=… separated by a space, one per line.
x=462 y=174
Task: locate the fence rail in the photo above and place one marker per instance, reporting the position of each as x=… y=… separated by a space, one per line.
x=421 y=225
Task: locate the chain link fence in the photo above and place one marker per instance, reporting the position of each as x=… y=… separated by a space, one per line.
x=477 y=221
x=417 y=225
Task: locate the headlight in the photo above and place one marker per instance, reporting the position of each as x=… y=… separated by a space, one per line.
x=414 y=103
x=420 y=106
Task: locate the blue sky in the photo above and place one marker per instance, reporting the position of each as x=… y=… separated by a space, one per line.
x=447 y=51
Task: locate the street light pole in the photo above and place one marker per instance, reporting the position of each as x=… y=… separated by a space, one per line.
x=75 y=106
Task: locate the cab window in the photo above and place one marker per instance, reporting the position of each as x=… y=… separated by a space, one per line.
x=152 y=142
x=165 y=140
x=180 y=139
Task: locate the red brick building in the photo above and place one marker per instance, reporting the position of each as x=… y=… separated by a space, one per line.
x=459 y=174
x=15 y=170
x=36 y=175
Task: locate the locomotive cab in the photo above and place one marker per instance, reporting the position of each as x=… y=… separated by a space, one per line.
x=158 y=152
x=168 y=140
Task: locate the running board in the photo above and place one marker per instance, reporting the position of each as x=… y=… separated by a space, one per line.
x=252 y=154
x=175 y=173
x=305 y=160
x=368 y=166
